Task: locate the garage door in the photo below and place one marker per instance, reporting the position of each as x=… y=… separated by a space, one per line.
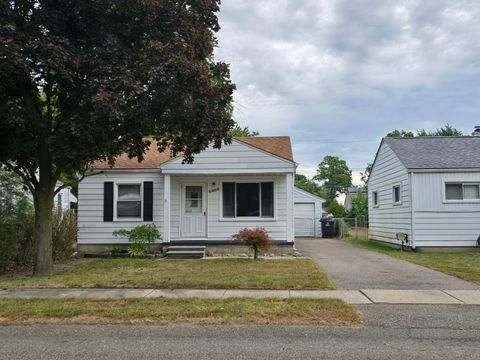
x=304 y=219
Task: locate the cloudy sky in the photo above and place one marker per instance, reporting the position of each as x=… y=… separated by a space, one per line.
x=337 y=75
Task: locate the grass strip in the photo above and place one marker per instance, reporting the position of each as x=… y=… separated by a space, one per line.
x=464 y=265
x=180 y=310
x=160 y=274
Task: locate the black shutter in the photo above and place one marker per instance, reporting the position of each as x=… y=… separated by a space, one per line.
x=148 y=201
x=108 y=201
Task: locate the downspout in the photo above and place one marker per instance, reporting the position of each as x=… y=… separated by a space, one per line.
x=412 y=211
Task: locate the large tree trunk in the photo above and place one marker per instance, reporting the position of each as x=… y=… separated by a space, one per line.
x=43 y=230
x=43 y=199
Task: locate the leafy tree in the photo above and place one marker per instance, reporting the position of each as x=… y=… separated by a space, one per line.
x=359 y=206
x=400 y=133
x=336 y=209
x=335 y=176
x=366 y=174
x=238 y=131
x=447 y=130
x=311 y=186
x=87 y=80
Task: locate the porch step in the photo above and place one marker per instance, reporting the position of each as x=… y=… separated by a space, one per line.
x=185 y=252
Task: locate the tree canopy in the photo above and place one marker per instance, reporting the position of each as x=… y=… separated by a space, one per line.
x=446 y=130
x=334 y=175
x=311 y=186
x=88 y=80
x=238 y=131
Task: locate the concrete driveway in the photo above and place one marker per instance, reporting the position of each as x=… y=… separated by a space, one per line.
x=352 y=267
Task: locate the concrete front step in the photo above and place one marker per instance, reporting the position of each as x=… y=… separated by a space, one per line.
x=185 y=252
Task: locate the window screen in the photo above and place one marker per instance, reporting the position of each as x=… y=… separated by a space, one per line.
x=454 y=191
x=267 y=199
x=248 y=199
x=471 y=192
x=129 y=201
x=229 y=200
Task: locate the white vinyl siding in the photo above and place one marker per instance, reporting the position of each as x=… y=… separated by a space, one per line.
x=387 y=218
x=230 y=159
x=440 y=222
x=92 y=228
x=222 y=229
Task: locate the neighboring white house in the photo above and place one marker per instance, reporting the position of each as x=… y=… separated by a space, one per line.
x=248 y=183
x=307 y=212
x=427 y=188
x=64 y=198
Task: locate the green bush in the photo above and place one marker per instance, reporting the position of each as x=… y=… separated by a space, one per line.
x=140 y=237
x=64 y=233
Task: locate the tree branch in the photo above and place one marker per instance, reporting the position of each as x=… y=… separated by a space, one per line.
x=84 y=175
x=25 y=178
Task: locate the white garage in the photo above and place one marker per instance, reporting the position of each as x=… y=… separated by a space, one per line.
x=307 y=213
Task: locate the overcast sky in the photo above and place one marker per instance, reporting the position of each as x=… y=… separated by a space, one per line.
x=337 y=75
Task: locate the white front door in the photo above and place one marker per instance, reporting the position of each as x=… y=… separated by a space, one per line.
x=193 y=211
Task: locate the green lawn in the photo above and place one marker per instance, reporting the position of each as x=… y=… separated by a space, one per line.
x=200 y=274
x=465 y=265
x=183 y=310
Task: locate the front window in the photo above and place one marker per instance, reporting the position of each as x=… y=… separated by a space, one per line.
x=459 y=191
x=129 y=201
x=247 y=199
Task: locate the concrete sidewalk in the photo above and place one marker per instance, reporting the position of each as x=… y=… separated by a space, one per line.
x=362 y=296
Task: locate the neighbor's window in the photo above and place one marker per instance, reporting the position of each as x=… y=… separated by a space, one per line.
x=459 y=191
x=396 y=194
x=129 y=201
x=247 y=199
x=375 y=198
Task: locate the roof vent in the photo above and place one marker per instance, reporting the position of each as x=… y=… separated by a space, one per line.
x=476 y=131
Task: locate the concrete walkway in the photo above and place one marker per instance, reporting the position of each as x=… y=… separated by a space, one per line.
x=364 y=296
x=352 y=267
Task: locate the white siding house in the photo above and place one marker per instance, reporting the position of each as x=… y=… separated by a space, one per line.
x=427 y=188
x=248 y=183
x=307 y=212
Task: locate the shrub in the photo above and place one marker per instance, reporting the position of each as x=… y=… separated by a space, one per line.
x=64 y=233
x=257 y=239
x=140 y=237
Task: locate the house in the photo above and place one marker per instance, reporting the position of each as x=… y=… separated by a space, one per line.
x=247 y=183
x=307 y=213
x=426 y=189
x=351 y=193
x=64 y=198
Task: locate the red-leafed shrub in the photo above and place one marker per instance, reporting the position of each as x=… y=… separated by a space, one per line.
x=257 y=239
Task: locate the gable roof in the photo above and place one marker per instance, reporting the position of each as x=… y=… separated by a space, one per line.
x=437 y=152
x=280 y=146
x=276 y=145
x=306 y=193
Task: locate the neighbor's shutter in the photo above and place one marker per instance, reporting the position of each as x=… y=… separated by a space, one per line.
x=108 y=201
x=148 y=201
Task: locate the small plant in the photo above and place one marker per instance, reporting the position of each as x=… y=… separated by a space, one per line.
x=140 y=237
x=111 y=250
x=257 y=239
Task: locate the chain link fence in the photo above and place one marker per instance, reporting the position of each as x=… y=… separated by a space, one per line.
x=354 y=228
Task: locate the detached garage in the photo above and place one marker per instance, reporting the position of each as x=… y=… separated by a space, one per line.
x=307 y=212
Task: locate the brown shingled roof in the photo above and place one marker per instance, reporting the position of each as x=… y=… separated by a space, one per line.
x=276 y=145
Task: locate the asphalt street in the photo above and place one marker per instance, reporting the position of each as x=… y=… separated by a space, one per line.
x=389 y=332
